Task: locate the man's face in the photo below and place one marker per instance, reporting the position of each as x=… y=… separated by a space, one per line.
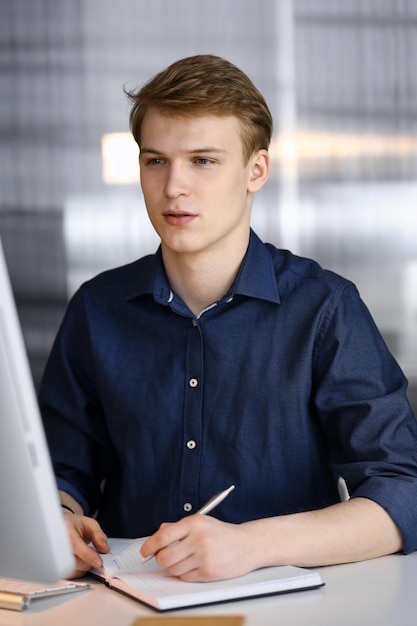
x=196 y=186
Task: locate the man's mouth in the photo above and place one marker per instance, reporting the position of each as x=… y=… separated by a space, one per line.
x=178 y=218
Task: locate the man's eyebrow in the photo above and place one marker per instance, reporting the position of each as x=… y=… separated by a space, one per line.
x=148 y=150
x=203 y=149
x=207 y=149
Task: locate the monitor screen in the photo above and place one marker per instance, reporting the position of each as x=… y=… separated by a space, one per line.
x=33 y=540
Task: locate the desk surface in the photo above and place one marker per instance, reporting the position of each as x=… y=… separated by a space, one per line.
x=382 y=592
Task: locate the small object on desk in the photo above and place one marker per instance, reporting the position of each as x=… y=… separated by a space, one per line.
x=18 y=594
x=209 y=620
x=206 y=508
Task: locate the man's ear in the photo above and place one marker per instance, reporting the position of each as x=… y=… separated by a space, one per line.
x=259 y=170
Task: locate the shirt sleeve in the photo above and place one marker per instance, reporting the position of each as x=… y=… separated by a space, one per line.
x=74 y=420
x=367 y=420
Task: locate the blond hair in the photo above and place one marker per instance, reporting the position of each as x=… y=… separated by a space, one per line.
x=206 y=84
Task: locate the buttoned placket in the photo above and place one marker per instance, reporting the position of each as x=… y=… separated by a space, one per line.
x=193 y=407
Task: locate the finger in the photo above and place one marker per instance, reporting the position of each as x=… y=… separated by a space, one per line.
x=174 y=564
x=99 y=540
x=159 y=540
x=84 y=553
x=81 y=569
x=91 y=532
x=195 y=576
x=193 y=568
x=164 y=524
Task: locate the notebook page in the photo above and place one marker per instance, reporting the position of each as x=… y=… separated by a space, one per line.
x=125 y=557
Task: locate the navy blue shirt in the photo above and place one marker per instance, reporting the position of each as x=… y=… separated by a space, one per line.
x=281 y=387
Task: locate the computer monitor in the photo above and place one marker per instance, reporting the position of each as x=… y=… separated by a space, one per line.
x=34 y=544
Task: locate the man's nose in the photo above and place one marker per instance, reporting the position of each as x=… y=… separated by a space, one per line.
x=176 y=181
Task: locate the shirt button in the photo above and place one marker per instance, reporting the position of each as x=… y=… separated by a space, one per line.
x=187 y=507
x=193 y=382
x=194 y=322
x=191 y=444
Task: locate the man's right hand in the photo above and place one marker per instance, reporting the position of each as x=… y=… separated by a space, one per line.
x=82 y=531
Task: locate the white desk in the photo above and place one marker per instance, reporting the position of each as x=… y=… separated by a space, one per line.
x=382 y=592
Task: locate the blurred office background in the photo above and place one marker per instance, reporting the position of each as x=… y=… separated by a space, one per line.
x=341 y=81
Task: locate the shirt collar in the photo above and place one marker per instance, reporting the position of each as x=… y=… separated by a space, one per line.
x=256 y=277
x=151 y=279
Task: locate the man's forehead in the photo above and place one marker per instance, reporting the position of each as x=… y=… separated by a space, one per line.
x=210 y=131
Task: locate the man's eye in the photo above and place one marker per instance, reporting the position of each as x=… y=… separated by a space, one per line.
x=203 y=161
x=155 y=161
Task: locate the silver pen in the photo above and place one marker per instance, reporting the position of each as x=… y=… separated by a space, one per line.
x=214 y=501
x=206 y=508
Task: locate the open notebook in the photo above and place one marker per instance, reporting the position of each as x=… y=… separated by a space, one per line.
x=124 y=571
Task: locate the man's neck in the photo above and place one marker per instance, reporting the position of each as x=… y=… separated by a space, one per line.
x=202 y=279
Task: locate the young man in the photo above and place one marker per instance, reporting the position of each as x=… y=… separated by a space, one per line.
x=222 y=360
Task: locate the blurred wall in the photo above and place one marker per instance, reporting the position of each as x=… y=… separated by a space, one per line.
x=339 y=78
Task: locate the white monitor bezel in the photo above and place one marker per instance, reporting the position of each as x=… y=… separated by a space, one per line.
x=34 y=544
